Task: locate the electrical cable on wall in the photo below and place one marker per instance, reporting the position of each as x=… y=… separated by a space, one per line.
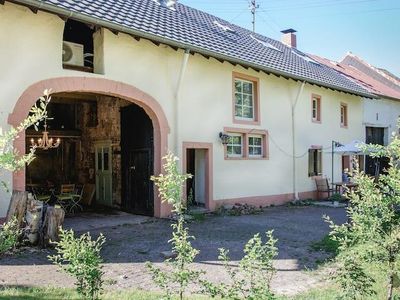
x=290 y=155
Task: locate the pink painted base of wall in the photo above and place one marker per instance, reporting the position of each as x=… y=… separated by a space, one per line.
x=264 y=200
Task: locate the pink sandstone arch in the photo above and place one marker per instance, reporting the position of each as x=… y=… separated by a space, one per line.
x=98 y=86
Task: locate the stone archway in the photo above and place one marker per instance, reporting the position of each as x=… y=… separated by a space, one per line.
x=98 y=86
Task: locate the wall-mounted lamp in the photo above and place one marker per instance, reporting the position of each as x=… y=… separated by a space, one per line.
x=225 y=138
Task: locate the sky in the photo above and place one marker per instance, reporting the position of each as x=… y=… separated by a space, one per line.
x=369 y=29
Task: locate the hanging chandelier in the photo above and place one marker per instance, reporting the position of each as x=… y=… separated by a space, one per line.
x=45 y=142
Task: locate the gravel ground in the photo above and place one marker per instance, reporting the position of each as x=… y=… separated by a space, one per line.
x=129 y=246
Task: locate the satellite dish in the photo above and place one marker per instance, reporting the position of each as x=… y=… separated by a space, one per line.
x=67 y=52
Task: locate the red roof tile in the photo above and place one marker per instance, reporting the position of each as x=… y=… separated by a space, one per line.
x=372 y=85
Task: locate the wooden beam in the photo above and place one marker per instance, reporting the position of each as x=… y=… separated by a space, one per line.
x=114 y=31
x=33 y=9
x=64 y=18
x=205 y=56
x=173 y=47
x=135 y=37
x=220 y=60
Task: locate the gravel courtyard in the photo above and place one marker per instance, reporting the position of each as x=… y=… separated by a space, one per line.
x=129 y=246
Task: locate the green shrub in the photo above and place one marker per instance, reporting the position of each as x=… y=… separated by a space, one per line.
x=327 y=244
x=252 y=278
x=372 y=234
x=80 y=257
x=9 y=236
x=178 y=274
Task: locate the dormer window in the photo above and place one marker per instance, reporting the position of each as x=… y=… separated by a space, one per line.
x=77 y=46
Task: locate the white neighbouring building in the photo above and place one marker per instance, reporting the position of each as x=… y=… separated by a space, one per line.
x=380 y=115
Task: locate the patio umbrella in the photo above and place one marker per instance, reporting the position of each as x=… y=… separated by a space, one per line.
x=352 y=148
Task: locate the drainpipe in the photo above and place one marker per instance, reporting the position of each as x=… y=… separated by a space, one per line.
x=293 y=108
x=176 y=100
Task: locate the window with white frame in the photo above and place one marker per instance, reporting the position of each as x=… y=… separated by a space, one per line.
x=234 y=148
x=244 y=99
x=246 y=144
x=316 y=108
x=255 y=145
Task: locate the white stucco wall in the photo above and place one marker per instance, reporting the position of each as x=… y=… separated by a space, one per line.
x=32 y=50
x=383 y=112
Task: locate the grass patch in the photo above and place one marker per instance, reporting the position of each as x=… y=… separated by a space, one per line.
x=197 y=216
x=327 y=244
x=30 y=293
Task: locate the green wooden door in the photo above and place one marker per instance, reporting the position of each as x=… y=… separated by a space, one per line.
x=103 y=174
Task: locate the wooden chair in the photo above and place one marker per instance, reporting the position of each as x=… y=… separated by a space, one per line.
x=323 y=187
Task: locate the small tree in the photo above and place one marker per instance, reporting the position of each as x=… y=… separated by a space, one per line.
x=252 y=279
x=80 y=257
x=10 y=159
x=9 y=235
x=372 y=233
x=179 y=274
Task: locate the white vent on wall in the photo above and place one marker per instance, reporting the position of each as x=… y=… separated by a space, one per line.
x=72 y=54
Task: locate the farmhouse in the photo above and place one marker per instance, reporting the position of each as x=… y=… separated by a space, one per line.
x=380 y=116
x=252 y=118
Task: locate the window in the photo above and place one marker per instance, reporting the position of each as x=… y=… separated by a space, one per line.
x=343 y=115
x=245 y=99
x=244 y=96
x=246 y=143
x=255 y=146
x=235 y=146
x=314 y=162
x=316 y=108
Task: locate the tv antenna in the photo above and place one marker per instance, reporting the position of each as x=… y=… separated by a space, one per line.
x=253 y=8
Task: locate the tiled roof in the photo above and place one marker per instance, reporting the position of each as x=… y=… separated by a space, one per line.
x=382 y=76
x=371 y=84
x=200 y=32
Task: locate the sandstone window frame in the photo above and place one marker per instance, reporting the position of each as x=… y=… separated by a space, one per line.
x=243 y=78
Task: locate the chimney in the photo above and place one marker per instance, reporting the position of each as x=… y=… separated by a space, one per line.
x=289 y=37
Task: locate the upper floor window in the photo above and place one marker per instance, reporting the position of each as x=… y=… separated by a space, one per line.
x=245 y=99
x=343 y=115
x=316 y=108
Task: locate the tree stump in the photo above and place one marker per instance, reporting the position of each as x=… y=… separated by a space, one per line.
x=17 y=207
x=33 y=218
x=53 y=220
